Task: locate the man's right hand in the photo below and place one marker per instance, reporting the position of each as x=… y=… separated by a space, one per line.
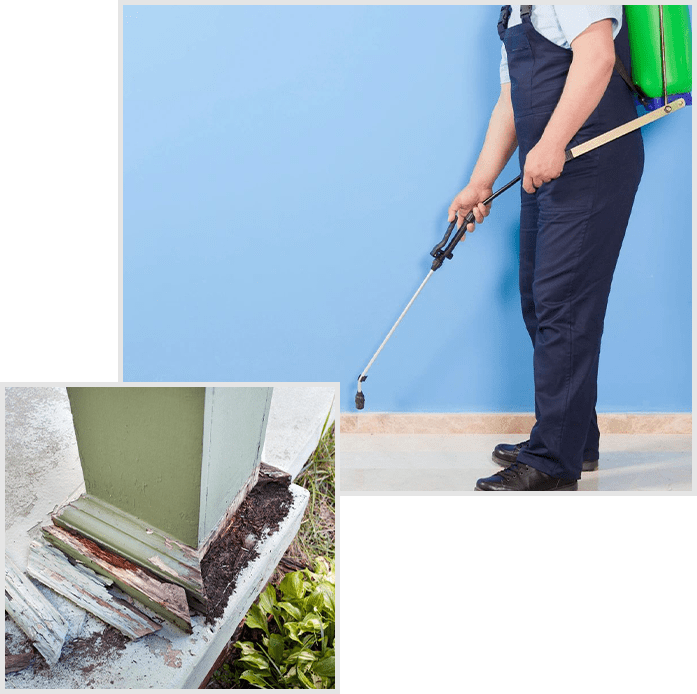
x=469 y=199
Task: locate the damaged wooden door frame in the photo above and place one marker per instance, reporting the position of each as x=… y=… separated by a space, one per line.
x=132 y=441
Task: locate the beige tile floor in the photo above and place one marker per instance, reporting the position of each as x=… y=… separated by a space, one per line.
x=422 y=462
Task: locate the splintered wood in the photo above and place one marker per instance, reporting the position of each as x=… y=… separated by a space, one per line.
x=34 y=615
x=87 y=589
x=165 y=599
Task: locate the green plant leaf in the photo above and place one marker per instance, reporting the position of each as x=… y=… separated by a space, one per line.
x=315 y=601
x=304 y=680
x=292 y=610
x=324 y=569
x=267 y=599
x=255 y=679
x=292 y=630
x=256 y=619
x=301 y=655
x=327 y=591
x=322 y=566
x=245 y=647
x=256 y=659
x=292 y=586
x=324 y=667
x=276 y=645
x=312 y=622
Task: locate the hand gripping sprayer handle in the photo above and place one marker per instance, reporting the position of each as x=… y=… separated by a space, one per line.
x=440 y=251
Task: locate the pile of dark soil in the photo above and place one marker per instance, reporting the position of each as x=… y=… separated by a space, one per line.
x=266 y=505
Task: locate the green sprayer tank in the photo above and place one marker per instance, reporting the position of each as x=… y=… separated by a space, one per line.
x=644 y=23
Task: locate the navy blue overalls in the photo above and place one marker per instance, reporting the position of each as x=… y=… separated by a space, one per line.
x=571 y=231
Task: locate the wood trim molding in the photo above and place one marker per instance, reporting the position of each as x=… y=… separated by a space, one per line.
x=128 y=536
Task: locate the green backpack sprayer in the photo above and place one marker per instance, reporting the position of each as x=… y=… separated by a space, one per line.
x=660 y=41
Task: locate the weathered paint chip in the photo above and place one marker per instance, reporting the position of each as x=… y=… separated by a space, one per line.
x=158 y=645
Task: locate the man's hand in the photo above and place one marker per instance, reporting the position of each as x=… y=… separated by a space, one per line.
x=543 y=163
x=590 y=72
x=469 y=199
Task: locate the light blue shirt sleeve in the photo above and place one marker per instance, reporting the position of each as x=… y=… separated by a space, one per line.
x=503 y=68
x=561 y=24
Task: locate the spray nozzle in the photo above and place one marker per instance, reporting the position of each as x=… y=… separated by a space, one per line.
x=360 y=398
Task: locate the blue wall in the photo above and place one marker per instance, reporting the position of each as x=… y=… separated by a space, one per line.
x=287 y=170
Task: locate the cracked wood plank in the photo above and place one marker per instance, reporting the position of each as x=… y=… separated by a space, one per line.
x=165 y=599
x=34 y=615
x=87 y=590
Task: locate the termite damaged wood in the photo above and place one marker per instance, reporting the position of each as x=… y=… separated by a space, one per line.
x=165 y=599
x=34 y=615
x=86 y=589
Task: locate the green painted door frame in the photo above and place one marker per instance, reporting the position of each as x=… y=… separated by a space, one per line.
x=164 y=469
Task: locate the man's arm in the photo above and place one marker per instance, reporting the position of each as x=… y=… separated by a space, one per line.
x=499 y=144
x=589 y=75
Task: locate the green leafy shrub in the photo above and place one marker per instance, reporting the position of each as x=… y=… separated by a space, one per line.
x=297 y=623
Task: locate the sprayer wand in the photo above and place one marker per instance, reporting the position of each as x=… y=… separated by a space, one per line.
x=444 y=249
x=440 y=253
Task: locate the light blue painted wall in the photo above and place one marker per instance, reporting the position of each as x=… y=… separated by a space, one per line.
x=287 y=170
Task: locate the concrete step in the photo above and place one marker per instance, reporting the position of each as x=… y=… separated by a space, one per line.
x=169 y=659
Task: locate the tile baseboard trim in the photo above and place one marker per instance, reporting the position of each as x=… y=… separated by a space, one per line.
x=510 y=423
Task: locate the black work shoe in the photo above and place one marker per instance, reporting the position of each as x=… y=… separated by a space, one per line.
x=507 y=453
x=523 y=478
